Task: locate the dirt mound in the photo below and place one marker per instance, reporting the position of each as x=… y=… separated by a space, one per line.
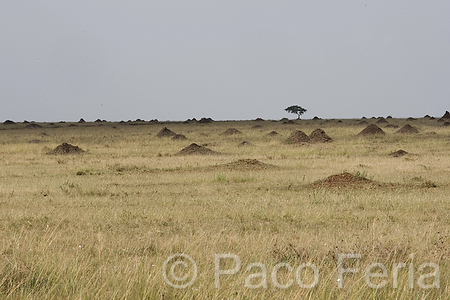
x=319 y=136
x=392 y=126
x=259 y=119
x=362 y=122
x=81 y=121
x=398 y=153
x=205 y=120
x=371 y=129
x=247 y=164
x=272 y=133
x=441 y=120
x=446 y=124
x=289 y=122
x=408 y=129
x=231 y=131
x=194 y=149
x=298 y=137
x=9 y=122
x=446 y=115
x=33 y=125
x=411 y=119
x=66 y=148
x=344 y=180
x=245 y=143
x=381 y=120
x=166 y=132
x=179 y=137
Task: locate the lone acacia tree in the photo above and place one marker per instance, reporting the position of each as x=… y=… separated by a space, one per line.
x=295 y=109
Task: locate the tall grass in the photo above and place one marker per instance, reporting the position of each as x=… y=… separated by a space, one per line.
x=101 y=225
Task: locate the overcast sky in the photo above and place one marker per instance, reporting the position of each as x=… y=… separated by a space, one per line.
x=224 y=59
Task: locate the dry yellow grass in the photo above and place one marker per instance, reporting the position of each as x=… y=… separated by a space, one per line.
x=100 y=225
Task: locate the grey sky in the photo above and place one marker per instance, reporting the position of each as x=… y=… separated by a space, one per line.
x=228 y=60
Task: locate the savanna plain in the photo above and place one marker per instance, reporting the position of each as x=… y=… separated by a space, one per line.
x=261 y=218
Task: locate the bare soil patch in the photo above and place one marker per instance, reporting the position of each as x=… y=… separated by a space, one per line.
x=194 y=149
x=298 y=137
x=66 y=148
x=272 y=133
x=319 y=136
x=408 y=129
x=166 y=132
x=371 y=129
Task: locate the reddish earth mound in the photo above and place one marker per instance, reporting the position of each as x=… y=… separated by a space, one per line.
x=66 y=148
x=298 y=137
x=165 y=132
x=446 y=115
x=231 y=131
x=408 y=129
x=398 y=153
x=272 y=133
x=345 y=180
x=319 y=136
x=371 y=129
x=194 y=149
x=179 y=137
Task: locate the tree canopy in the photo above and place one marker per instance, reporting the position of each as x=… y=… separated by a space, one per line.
x=296 y=109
